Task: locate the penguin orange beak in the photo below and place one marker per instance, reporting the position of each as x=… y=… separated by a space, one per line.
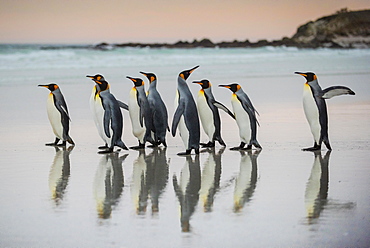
x=145 y=74
x=90 y=76
x=197 y=82
x=225 y=86
x=301 y=73
x=132 y=79
x=42 y=85
x=193 y=69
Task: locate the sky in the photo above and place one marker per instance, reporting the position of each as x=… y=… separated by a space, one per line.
x=119 y=21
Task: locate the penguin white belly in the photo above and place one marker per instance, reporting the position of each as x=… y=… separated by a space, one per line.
x=206 y=115
x=99 y=110
x=242 y=119
x=312 y=112
x=134 y=111
x=55 y=117
x=93 y=107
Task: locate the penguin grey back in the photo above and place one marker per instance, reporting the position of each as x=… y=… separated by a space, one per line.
x=187 y=108
x=158 y=108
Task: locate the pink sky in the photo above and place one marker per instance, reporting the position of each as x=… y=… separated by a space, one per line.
x=114 y=21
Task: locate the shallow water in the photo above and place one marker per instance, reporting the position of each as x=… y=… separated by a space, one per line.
x=279 y=197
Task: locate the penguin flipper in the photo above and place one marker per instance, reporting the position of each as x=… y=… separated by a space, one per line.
x=336 y=91
x=224 y=108
x=176 y=118
x=141 y=112
x=62 y=108
x=107 y=120
x=248 y=107
x=122 y=105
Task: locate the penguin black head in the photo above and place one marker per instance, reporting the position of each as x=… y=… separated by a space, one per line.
x=137 y=81
x=233 y=87
x=151 y=76
x=97 y=77
x=310 y=76
x=51 y=87
x=185 y=74
x=100 y=80
x=204 y=83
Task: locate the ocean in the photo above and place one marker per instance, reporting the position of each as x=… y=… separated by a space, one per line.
x=278 y=197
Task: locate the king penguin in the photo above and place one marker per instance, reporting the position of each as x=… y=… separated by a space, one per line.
x=315 y=108
x=186 y=115
x=245 y=115
x=208 y=110
x=58 y=115
x=159 y=110
x=97 y=108
x=109 y=119
x=140 y=113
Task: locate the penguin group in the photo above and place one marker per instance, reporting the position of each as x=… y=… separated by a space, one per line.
x=149 y=116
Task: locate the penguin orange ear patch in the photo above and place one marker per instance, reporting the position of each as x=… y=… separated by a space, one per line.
x=98 y=77
x=55 y=87
x=151 y=79
x=182 y=76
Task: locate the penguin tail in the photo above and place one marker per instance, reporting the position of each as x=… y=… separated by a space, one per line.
x=220 y=140
x=120 y=143
x=327 y=143
x=70 y=141
x=256 y=144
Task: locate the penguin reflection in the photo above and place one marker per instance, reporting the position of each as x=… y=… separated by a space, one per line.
x=211 y=175
x=139 y=190
x=108 y=183
x=245 y=183
x=317 y=186
x=187 y=190
x=157 y=175
x=59 y=173
x=150 y=177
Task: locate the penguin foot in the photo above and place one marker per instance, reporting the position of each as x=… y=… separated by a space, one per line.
x=238 y=148
x=154 y=145
x=64 y=143
x=209 y=144
x=187 y=152
x=311 y=149
x=109 y=150
x=103 y=147
x=50 y=144
x=53 y=144
x=140 y=146
x=248 y=148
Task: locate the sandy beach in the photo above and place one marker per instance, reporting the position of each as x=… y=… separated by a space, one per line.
x=278 y=197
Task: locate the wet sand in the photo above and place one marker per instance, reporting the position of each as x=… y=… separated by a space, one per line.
x=279 y=197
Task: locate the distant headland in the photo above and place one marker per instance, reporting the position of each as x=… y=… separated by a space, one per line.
x=344 y=29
